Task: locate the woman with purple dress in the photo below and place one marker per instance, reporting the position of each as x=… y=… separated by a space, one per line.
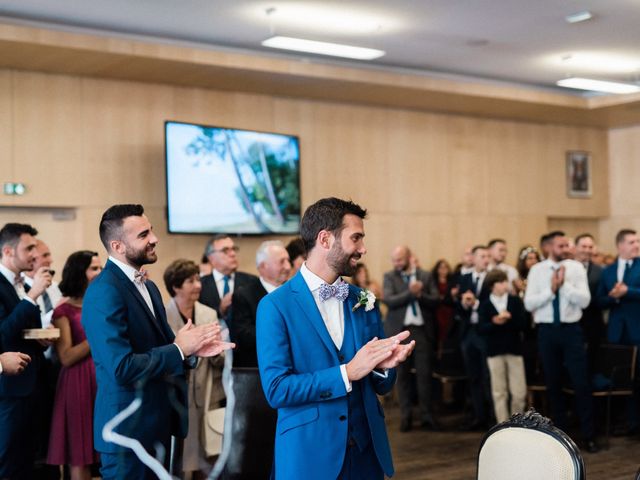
x=71 y=440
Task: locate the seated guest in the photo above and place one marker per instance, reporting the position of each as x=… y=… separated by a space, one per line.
x=447 y=290
x=218 y=287
x=182 y=280
x=502 y=321
x=297 y=254
x=272 y=261
x=19 y=394
x=362 y=279
x=71 y=440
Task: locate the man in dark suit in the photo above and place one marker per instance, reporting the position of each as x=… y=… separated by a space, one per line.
x=411 y=295
x=218 y=287
x=135 y=352
x=19 y=394
x=272 y=261
x=473 y=292
x=619 y=291
x=592 y=320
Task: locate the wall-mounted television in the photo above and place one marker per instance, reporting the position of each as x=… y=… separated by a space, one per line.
x=225 y=180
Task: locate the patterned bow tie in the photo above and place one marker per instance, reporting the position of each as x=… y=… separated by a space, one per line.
x=340 y=291
x=140 y=276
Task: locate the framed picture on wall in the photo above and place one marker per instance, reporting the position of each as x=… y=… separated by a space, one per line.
x=578 y=174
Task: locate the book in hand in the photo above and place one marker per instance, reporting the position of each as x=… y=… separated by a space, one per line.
x=41 y=333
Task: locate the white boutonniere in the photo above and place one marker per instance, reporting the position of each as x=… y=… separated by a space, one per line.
x=366 y=299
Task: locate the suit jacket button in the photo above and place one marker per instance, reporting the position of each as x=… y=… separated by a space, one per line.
x=341 y=358
x=342 y=418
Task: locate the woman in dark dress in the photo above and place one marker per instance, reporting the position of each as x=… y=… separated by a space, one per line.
x=441 y=272
x=71 y=440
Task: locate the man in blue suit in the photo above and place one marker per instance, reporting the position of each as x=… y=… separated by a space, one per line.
x=619 y=291
x=323 y=358
x=133 y=347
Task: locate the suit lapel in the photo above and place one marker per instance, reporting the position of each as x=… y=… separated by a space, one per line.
x=304 y=298
x=8 y=288
x=354 y=320
x=136 y=294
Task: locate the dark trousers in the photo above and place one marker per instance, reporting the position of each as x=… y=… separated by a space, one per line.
x=125 y=465
x=633 y=404
x=17 y=446
x=563 y=345
x=422 y=361
x=360 y=465
x=474 y=355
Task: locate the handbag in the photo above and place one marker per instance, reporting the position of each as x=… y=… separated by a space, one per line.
x=213 y=424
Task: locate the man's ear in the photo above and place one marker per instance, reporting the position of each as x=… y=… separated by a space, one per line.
x=7 y=251
x=324 y=239
x=116 y=246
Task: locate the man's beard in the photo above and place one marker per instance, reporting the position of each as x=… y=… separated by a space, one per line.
x=340 y=261
x=140 y=257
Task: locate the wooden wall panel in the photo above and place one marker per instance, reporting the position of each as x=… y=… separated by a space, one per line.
x=6 y=133
x=436 y=182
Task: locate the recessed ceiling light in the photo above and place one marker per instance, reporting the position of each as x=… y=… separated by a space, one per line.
x=598 y=85
x=579 y=17
x=323 y=48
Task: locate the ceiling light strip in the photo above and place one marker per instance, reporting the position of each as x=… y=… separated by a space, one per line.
x=598 y=85
x=322 y=48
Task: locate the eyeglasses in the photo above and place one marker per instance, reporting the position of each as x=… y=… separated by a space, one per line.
x=227 y=250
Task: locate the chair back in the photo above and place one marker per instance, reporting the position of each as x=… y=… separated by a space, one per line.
x=615 y=366
x=250 y=428
x=529 y=447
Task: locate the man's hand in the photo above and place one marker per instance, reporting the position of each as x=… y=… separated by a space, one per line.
x=619 y=290
x=191 y=338
x=502 y=318
x=47 y=342
x=14 y=363
x=400 y=353
x=41 y=281
x=416 y=288
x=468 y=299
x=369 y=356
x=225 y=303
x=214 y=348
x=557 y=279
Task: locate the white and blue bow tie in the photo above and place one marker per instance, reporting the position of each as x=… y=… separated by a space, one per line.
x=340 y=291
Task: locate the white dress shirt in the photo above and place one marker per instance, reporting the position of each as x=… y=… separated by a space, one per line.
x=478 y=280
x=219 y=279
x=11 y=278
x=331 y=311
x=622 y=264
x=269 y=287
x=409 y=317
x=574 y=292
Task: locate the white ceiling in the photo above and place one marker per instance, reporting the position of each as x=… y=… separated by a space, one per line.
x=522 y=41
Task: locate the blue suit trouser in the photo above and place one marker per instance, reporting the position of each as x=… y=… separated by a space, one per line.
x=360 y=465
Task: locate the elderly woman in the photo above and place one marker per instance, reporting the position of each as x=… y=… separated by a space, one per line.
x=182 y=280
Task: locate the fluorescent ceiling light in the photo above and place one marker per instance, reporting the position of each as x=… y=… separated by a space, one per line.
x=579 y=17
x=600 y=62
x=598 y=85
x=323 y=48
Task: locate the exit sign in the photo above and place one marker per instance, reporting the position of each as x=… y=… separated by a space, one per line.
x=11 y=188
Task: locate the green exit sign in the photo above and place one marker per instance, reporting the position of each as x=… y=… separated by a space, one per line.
x=11 y=188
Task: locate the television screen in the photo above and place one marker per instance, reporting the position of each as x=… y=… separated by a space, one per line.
x=223 y=180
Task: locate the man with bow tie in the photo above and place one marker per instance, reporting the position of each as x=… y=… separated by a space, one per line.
x=135 y=351
x=323 y=357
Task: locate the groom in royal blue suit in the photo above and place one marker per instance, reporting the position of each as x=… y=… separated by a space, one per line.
x=135 y=351
x=323 y=357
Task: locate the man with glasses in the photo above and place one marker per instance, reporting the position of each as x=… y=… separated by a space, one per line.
x=218 y=287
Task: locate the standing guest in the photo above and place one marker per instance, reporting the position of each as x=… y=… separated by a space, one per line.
x=49 y=299
x=447 y=291
x=323 y=358
x=619 y=291
x=557 y=292
x=297 y=254
x=527 y=258
x=71 y=440
x=205 y=267
x=473 y=292
x=465 y=266
x=545 y=246
x=20 y=394
x=498 y=254
x=218 y=288
x=135 y=352
x=13 y=363
x=363 y=280
x=592 y=320
x=502 y=321
x=182 y=280
x=272 y=262
x=411 y=295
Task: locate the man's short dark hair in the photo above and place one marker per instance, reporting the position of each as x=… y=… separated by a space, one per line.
x=326 y=214
x=493 y=241
x=218 y=236
x=544 y=238
x=554 y=234
x=495 y=276
x=478 y=247
x=112 y=220
x=623 y=233
x=581 y=236
x=11 y=233
x=295 y=249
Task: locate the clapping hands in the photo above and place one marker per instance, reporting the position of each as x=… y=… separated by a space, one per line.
x=379 y=353
x=201 y=340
